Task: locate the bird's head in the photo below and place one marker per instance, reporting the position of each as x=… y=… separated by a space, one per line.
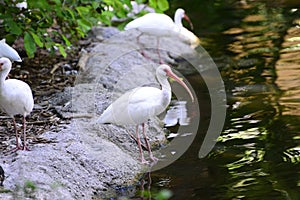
x=163 y=70
x=5 y=64
x=181 y=14
x=166 y=71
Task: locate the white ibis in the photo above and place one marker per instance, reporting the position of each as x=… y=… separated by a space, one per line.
x=162 y=25
x=8 y=52
x=140 y=104
x=15 y=98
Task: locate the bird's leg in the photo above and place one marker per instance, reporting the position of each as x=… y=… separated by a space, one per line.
x=133 y=137
x=139 y=145
x=145 y=138
x=138 y=41
x=24 y=134
x=16 y=133
x=17 y=138
x=147 y=144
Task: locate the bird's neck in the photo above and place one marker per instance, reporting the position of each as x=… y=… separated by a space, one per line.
x=3 y=75
x=177 y=20
x=166 y=90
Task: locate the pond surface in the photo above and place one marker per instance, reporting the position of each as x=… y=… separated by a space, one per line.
x=256 y=46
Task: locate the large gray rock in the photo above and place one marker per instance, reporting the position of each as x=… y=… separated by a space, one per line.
x=88 y=160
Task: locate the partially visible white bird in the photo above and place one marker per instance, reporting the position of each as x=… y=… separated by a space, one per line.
x=15 y=98
x=22 y=5
x=140 y=104
x=162 y=25
x=135 y=10
x=8 y=52
x=189 y=37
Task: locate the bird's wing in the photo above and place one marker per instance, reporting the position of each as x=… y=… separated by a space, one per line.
x=145 y=94
x=133 y=107
x=151 y=21
x=189 y=36
x=20 y=92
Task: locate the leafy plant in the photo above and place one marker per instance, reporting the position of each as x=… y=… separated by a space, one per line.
x=29 y=187
x=57 y=24
x=163 y=194
x=159 y=5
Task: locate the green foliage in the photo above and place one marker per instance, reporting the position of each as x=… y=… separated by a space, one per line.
x=159 y=5
x=163 y=194
x=57 y=24
x=29 y=187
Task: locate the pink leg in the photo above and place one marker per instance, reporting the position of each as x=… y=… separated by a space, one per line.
x=142 y=51
x=139 y=145
x=17 y=138
x=148 y=145
x=16 y=133
x=24 y=134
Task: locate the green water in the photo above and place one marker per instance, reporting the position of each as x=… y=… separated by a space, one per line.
x=256 y=46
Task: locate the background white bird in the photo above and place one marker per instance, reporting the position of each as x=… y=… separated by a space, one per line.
x=162 y=25
x=9 y=52
x=15 y=98
x=140 y=104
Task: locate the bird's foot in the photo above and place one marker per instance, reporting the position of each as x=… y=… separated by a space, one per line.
x=153 y=159
x=144 y=162
x=17 y=148
x=25 y=148
x=13 y=150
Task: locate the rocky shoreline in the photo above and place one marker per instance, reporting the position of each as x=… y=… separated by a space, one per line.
x=86 y=160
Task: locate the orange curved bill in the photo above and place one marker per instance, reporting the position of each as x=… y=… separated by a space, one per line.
x=176 y=78
x=189 y=21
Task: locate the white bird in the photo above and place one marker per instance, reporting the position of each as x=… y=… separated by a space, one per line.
x=15 y=98
x=140 y=104
x=162 y=25
x=9 y=52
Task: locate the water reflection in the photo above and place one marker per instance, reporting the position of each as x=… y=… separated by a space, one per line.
x=256 y=45
x=288 y=67
x=259 y=139
x=177 y=114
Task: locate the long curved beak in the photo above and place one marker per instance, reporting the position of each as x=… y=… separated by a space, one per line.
x=189 y=21
x=176 y=78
